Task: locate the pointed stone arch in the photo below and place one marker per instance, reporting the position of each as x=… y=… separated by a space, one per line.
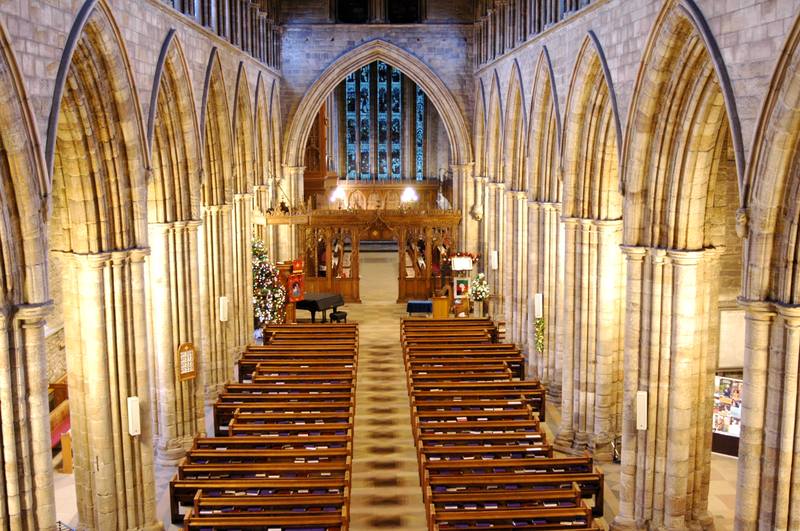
x=768 y=447
x=97 y=152
x=494 y=132
x=544 y=135
x=479 y=129
x=516 y=123
x=673 y=145
x=173 y=198
x=243 y=133
x=216 y=136
x=173 y=140
x=26 y=472
x=263 y=129
x=591 y=139
x=413 y=67
x=681 y=196
x=593 y=293
x=545 y=238
x=264 y=163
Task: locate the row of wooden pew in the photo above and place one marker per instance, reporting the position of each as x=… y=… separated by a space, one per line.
x=283 y=447
x=484 y=460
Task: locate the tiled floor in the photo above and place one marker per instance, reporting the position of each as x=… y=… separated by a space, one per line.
x=386 y=492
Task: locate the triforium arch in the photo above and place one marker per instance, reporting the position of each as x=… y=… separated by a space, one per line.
x=244 y=147
x=26 y=470
x=216 y=253
x=768 y=449
x=592 y=297
x=545 y=235
x=98 y=230
x=514 y=226
x=173 y=215
x=681 y=200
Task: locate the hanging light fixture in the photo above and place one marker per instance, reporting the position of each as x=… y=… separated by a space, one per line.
x=409 y=195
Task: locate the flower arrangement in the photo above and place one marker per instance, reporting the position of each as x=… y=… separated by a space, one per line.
x=538 y=332
x=479 y=288
x=269 y=293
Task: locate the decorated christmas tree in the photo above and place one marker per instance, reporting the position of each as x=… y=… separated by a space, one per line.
x=269 y=294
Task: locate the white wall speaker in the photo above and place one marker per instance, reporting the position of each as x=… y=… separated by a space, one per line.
x=641 y=410
x=223 y=309
x=134 y=419
x=495 y=260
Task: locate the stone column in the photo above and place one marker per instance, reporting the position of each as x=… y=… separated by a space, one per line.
x=759 y=325
x=262 y=203
x=770 y=447
x=502 y=256
x=665 y=468
x=27 y=468
x=520 y=310
x=464 y=182
x=175 y=319
x=217 y=272
x=107 y=362
x=609 y=342
x=566 y=432
x=592 y=337
x=242 y=309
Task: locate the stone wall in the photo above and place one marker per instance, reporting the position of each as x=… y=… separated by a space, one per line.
x=38 y=31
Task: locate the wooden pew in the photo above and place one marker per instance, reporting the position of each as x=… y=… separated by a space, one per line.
x=224 y=412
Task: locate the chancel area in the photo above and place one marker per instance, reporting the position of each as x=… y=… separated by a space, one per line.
x=330 y=265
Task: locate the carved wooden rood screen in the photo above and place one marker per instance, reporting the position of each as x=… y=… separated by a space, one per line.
x=330 y=240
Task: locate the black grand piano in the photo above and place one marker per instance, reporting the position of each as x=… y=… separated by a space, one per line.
x=320 y=302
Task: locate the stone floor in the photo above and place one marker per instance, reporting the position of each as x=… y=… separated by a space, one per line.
x=386 y=492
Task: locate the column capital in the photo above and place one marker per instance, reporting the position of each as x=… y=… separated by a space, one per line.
x=33 y=313
x=633 y=253
x=790 y=313
x=607 y=225
x=86 y=260
x=570 y=222
x=482 y=179
x=757 y=310
x=687 y=258
x=464 y=167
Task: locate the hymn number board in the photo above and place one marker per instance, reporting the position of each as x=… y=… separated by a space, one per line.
x=187 y=361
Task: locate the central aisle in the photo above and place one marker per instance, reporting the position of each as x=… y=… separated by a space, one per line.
x=386 y=492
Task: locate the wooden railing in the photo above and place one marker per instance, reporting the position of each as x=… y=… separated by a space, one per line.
x=250 y=25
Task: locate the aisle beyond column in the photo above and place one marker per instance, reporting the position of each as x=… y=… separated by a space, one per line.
x=386 y=492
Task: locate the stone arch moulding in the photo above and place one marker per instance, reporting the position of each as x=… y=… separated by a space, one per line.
x=515 y=109
x=544 y=99
x=495 y=127
x=479 y=128
x=170 y=41
x=769 y=254
x=546 y=62
x=612 y=94
x=696 y=17
x=71 y=45
x=30 y=185
x=412 y=66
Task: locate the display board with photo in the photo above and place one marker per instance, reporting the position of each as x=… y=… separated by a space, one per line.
x=727 y=418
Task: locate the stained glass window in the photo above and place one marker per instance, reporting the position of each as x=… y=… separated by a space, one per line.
x=419 y=119
x=350 y=119
x=374 y=106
